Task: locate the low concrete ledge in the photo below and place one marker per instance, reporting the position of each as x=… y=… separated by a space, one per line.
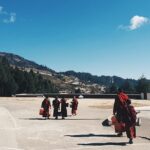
x=107 y=96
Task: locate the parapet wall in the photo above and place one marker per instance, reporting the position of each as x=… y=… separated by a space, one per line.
x=132 y=96
x=148 y=96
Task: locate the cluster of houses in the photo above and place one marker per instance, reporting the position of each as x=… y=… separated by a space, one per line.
x=87 y=88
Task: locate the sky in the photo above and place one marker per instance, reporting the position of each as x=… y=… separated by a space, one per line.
x=102 y=37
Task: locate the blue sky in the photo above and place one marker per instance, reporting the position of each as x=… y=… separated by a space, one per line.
x=102 y=37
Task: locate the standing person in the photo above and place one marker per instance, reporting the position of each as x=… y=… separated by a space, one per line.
x=56 y=104
x=64 y=106
x=74 y=106
x=46 y=105
x=122 y=113
x=130 y=126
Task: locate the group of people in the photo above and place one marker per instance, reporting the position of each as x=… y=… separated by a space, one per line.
x=123 y=111
x=125 y=115
x=59 y=107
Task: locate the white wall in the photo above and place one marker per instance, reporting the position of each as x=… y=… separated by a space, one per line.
x=148 y=96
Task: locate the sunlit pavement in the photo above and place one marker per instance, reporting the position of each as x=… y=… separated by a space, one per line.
x=21 y=128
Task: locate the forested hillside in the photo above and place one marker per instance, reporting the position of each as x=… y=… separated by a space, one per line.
x=14 y=81
x=15 y=60
x=19 y=75
x=113 y=82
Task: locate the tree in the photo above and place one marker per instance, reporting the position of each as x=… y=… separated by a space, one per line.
x=113 y=88
x=77 y=91
x=128 y=87
x=8 y=85
x=14 y=81
x=143 y=85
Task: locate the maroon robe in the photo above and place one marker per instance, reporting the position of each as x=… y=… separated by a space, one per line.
x=130 y=126
x=64 y=106
x=74 y=106
x=56 y=106
x=125 y=114
x=46 y=105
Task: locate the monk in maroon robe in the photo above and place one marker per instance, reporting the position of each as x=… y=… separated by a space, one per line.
x=130 y=126
x=56 y=106
x=74 y=106
x=64 y=106
x=46 y=105
x=124 y=112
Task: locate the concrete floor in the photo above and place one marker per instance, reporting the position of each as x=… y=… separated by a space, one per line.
x=21 y=128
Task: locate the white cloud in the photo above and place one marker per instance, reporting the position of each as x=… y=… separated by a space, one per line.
x=1 y=9
x=135 y=23
x=8 y=17
x=11 y=19
x=2 y=12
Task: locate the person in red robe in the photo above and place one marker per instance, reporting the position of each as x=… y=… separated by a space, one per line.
x=46 y=105
x=56 y=106
x=124 y=112
x=130 y=125
x=64 y=106
x=74 y=106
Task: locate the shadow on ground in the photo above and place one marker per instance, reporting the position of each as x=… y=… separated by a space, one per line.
x=32 y=118
x=67 y=119
x=145 y=138
x=105 y=144
x=82 y=119
x=93 y=135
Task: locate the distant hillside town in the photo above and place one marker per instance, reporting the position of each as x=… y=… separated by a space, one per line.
x=19 y=75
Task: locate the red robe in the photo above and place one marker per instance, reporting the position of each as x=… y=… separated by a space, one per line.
x=130 y=126
x=74 y=106
x=46 y=105
x=56 y=105
x=125 y=114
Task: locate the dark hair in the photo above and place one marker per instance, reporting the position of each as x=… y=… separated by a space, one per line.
x=128 y=101
x=120 y=90
x=46 y=96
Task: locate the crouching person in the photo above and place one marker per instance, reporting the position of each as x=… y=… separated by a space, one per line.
x=125 y=115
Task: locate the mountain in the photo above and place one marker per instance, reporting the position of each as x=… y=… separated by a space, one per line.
x=102 y=80
x=71 y=81
x=20 y=62
x=60 y=81
x=106 y=81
